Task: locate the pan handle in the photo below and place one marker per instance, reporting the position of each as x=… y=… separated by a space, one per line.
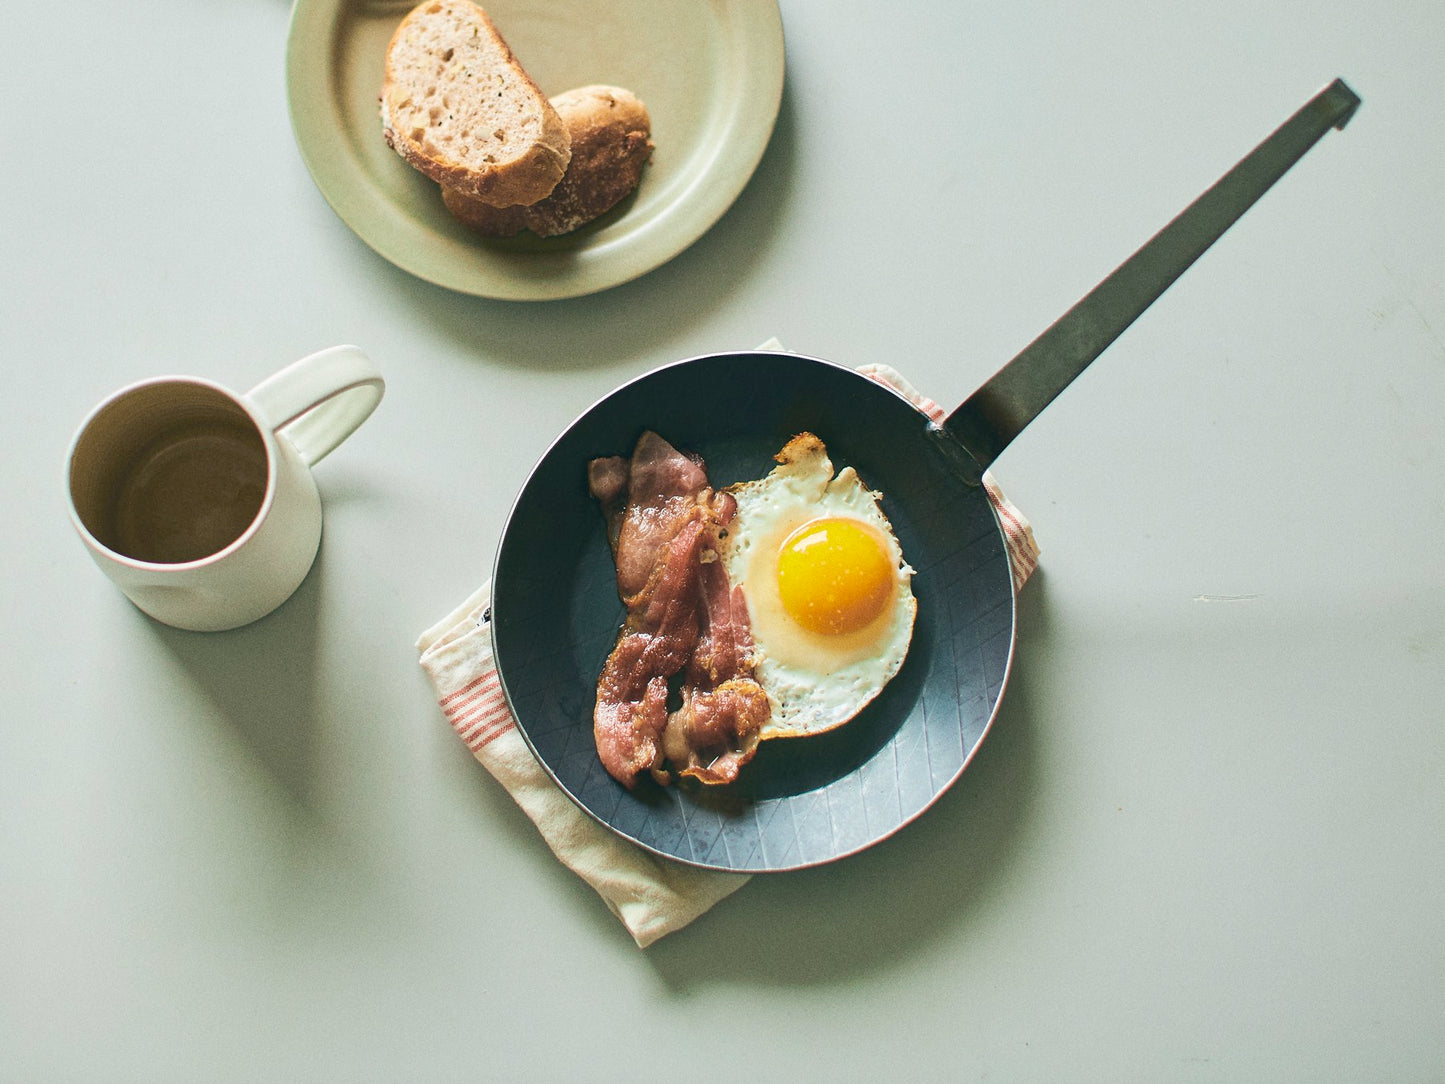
x=998 y=411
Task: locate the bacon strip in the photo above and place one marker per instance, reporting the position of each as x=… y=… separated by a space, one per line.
x=656 y=642
x=715 y=732
x=683 y=618
x=646 y=506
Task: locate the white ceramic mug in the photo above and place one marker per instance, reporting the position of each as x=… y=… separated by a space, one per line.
x=199 y=502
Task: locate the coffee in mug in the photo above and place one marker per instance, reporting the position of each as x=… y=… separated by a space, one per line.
x=183 y=476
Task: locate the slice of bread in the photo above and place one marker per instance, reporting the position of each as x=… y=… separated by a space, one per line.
x=457 y=106
x=610 y=130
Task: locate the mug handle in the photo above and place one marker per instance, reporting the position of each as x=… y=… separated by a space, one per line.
x=320 y=400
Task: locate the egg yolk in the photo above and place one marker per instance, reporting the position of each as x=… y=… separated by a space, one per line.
x=834 y=575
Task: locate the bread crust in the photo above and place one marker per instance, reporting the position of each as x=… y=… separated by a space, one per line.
x=458 y=107
x=610 y=134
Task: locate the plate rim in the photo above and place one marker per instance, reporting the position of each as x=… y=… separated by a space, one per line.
x=745 y=131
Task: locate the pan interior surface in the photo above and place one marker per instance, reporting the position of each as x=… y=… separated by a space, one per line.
x=803 y=801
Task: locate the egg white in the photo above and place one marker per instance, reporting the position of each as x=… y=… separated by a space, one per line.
x=814 y=681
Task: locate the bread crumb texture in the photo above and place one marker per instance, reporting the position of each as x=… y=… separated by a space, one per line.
x=458 y=106
x=610 y=132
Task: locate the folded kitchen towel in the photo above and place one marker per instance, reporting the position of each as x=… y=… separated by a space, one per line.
x=652 y=895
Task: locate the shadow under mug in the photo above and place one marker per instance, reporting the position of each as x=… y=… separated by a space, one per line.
x=200 y=503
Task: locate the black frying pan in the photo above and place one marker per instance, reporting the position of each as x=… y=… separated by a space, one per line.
x=800 y=802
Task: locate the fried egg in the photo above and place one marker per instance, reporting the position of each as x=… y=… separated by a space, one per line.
x=829 y=595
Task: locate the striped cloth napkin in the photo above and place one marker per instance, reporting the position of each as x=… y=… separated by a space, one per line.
x=651 y=895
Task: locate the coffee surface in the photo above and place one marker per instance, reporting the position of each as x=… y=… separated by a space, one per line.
x=190 y=492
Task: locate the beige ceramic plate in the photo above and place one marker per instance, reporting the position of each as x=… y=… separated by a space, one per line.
x=710 y=72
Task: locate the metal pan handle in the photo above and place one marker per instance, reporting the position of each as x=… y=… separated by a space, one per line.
x=998 y=411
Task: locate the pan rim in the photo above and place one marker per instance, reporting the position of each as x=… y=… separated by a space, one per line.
x=904 y=819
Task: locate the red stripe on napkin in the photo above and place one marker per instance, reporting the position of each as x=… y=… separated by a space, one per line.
x=478 y=710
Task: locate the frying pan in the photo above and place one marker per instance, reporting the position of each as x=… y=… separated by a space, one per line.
x=800 y=802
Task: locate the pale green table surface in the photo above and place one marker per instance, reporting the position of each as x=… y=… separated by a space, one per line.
x=1204 y=839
